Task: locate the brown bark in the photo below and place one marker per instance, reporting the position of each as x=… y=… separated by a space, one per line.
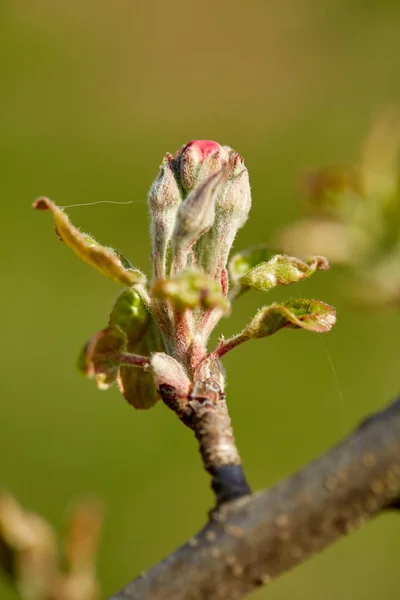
x=249 y=541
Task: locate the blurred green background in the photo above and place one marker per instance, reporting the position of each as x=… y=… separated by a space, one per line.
x=93 y=94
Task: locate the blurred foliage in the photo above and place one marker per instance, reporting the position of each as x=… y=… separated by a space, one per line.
x=39 y=567
x=93 y=95
x=353 y=217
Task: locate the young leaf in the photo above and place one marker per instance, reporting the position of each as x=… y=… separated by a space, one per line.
x=191 y=289
x=137 y=385
x=106 y=260
x=281 y=270
x=130 y=314
x=242 y=262
x=131 y=329
x=298 y=313
x=143 y=338
x=100 y=356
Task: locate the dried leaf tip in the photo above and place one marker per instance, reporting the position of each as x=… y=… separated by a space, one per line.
x=106 y=260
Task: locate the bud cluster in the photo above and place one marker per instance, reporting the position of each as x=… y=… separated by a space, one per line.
x=156 y=338
x=204 y=189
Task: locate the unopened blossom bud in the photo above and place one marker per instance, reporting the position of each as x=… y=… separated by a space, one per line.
x=204 y=188
x=164 y=199
x=218 y=205
x=231 y=212
x=180 y=178
x=199 y=159
x=197 y=213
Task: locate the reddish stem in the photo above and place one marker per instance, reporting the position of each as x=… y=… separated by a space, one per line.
x=126 y=358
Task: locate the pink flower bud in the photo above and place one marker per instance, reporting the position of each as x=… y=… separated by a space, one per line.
x=201 y=148
x=199 y=159
x=198 y=202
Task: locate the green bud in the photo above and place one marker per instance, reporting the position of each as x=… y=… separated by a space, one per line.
x=231 y=212
x=191 y=289
x=296 y=313
x=197 y=213
x=106 y=260
x=235 y=203
x=164 y=199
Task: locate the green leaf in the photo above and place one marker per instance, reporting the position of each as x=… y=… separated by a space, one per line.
x=107 y=260
x=143 y=338
x=312 y=315
x=191 y=289
x=137 y=386
x=131 y=329
x=281 y=270
x=242 y=262
x=130 y=314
